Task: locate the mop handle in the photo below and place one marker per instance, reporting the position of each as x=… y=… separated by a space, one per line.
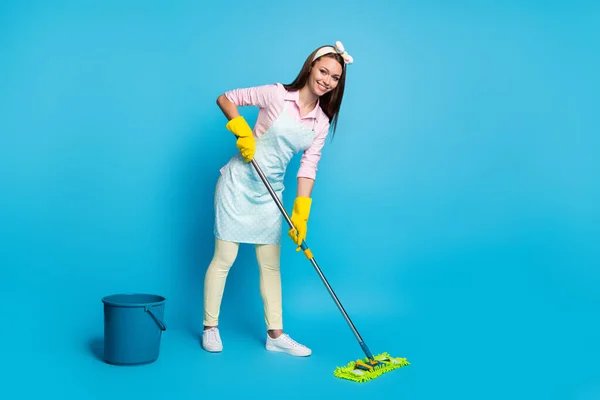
x=314 y=263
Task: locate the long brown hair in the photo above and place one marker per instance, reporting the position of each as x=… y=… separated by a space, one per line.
x=330 y=102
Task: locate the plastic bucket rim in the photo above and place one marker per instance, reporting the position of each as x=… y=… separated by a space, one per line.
x=111 y=300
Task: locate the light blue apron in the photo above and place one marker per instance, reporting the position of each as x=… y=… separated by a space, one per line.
x=245 y=212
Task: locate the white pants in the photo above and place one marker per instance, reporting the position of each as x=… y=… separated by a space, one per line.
x=268 y=256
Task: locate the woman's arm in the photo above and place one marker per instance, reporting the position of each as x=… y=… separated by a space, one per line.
x=305 y=186
x=260 y=96
x=227 y=107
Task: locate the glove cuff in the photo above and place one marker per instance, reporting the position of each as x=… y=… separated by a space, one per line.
x=239 y=127
x=302 y=206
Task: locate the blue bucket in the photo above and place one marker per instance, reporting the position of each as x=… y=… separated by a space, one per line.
x=133 y=326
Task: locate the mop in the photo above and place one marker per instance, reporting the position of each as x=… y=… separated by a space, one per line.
x=360 y=370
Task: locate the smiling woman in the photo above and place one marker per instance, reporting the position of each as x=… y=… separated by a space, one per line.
x=323 y=75
x=293 y=118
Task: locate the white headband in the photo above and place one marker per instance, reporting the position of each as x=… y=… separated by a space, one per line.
x=339 y=48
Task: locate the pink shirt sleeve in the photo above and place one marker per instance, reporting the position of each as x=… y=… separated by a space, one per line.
x=260 y=96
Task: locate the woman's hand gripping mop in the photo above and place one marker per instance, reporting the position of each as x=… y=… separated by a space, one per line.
x=361 y=370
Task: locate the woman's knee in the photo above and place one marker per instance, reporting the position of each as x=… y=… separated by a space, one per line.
x=268 y=256
x=225 y=253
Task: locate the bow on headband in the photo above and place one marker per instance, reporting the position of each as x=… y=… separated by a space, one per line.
x=339 y=48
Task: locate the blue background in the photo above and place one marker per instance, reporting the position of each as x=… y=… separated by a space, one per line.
x=455 y=213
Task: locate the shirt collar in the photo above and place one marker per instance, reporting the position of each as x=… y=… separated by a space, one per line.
x=295 y=97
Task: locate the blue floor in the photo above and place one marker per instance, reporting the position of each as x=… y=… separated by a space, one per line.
x=465 y=339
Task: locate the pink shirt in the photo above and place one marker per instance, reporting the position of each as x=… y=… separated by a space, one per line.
x=271 y=99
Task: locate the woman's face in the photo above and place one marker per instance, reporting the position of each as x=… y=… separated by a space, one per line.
x=324 y=76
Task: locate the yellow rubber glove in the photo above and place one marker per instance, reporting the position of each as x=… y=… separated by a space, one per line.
x=245 y=142
x=299 y=218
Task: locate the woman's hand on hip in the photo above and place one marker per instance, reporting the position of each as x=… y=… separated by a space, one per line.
x=245 y=142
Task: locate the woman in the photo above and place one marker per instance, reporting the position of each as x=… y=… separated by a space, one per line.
x=292 y=118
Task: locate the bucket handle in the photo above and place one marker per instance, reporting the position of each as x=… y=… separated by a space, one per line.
x=160 y=324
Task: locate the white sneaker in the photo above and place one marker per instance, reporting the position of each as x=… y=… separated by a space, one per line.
x=211 y=340
x=286 y=344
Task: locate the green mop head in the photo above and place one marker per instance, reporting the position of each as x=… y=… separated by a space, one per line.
x=365 y=370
